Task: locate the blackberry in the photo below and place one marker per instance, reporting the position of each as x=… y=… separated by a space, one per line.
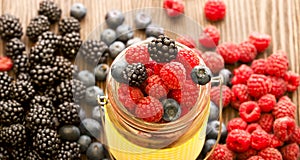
x=42 y=75
x=94 y=51
x=46 y=142
x=19 y=153
x=50 y=9
x=23 y=77
x=37 y=26
x=10 y=27
x=41 y=53
x=51 y=38
x=22 y=91
x=135 y=74
x=75 y=70
x=33 y=155
x=67 y=113
x=43 y=101
x=68 y=150
x=4 y=154
x=5 y=85
x=21 y=64
x=162 y=49
x=13 y=134
x=70 y=91
x=63 y=68
x=69 y=25
x=70 y=44
x=14 y=47
x=11 y=112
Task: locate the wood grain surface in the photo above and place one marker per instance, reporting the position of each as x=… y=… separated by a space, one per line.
x=279 y=18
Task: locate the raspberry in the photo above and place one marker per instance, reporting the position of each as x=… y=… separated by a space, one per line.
x=284 y=107
x=260 y=139
x=279 y=86
x=283 y=128
x=238 y=140
x=277 y=65
x=247 y=52
x=260 y=41
x=150 y=72
x=293 y=81
x=129 y=96
x=236 y=123
x=213 y=61
x=275 y=142
x=149 y=109
x=174 y=8
x=155 y=87
x=259 y=66
x=188 y=58
x=266 y=122
x=221 y=152
x=184 y=111
x=6 y=64
x=173 y=74
x=226 y=93
x=198 y=52
x=290 y=152
x=210 y=37
x=241 y=74
x=270 y=154
x=186 y=40
x=249 y=111
x=240 y=94
x=215 y=10
x=245 y=155
x=255 y=158
x=137 y=54
x=155 y=67
x=252 y=127
x=267 y=102
x=295 y=137
x=229 y=52
x=259 y=85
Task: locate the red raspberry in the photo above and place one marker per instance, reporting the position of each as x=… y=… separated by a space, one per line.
x=260 y=41
x=149 y=109
x=238 y=140
x=209 y=37
x=184 y=110
x=213 y=61
x=6 y=64
x=226 y=93
x=245 y=155
x=266 y=122
x=186 y=40
x=252 y=127
x=129 y=96
x=293 y=81
x=259 y=66
x=155 y=67
x=198 y=52
x=249 y=111
x=229 y=52
x=277 y=65
x=279 y=86
x=270 y=154
x=156 y=87
x=215 y=10
x=188 y=58
x=221 y=152
x=174 y=8
x=295 y=137
x=284 y=107
x=255 y=158
x=267 y=102
x=241 y=74
x=259 y=85
x=260 y=139
x=247 y=52
x=290 y=152
x=283 y=128
x=236 y=123
x=240 y=95
x=173 y=74
x=275 y=142
x=137 y=54
x=150 y=72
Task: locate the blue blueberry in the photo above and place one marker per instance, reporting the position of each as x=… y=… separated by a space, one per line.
x=227 y=76
x=114 y=18
x=116 y=48
x=209 y=143
x=84 y=142
x=154 y=30
x=69 y=132
x=81 y=113
x=133 y=41
x=78 y=11
x=213 y=128
x=95 y=151
x=86 y=77
x=124 y=32
x=92 y=93
x=117 y=69
x=201 y=75
x=214 y=112
x=90 y=127
x=108 y=36
x=172 y=110
x=101 y=72
x=142 y=20
x=96 y=113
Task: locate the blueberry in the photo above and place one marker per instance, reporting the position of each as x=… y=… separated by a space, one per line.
x=95 y=151
x=69 y=132
x=212 y=130
x=154 y=30
x=201 y=75
x=78 y=11
x=86 y=77
x=101 y=72
x=172 y=110
x=92 y=93
x=208 y=146
x=142 y=20
x=124 y=32
x=116 y=48
x=214 y=112
x=117 y=69
x=133 y=41
x=84 y=142
x=90 y=127
x=82 y=114
x=108 y=36
x=227 y=76
x=114 y=18
x=96 y=114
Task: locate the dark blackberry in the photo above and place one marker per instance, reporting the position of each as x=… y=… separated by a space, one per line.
x=51 y=38
x=23 y=77
x=21 y=64
x=162 y=49
x=62 y=67
x=68 y=25
x=37 y=26
x=70 y=91
x=43 y=101
x=70 y=44
x=50 y=9
x=75 y=70
x=11 y=112
x=22 y=91
x=10 y=27
x=94 y=51
x=5 y=85
x=41 y=53
x=14 y=134
x=46 y=142
x=42 y=75
x=68 y=150
x=135 y=74
x=67 y=113
x=4 y=154
x=19 y=153
x=14 y=47
x=33 y=155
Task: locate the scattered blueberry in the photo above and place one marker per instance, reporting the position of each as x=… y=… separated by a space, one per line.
x=117 y=69
x=209 y=143
x=154 y=30
x=90 y=127
x=96 y=114
x=92 y=93
x=212 y=130
x=142 y=20
x=214 y=112
x=84 y=142
x=227 y=76
x=69 y=132
x=81 y=113
x=101 y=72
x=114 y=18
x=133 y=41
x=116 y=48
x=108 y=36
x=86 y=77
x=201 y=75
x=124 y=32
x=78 y=11
x=172 y=110
x=95 y=151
